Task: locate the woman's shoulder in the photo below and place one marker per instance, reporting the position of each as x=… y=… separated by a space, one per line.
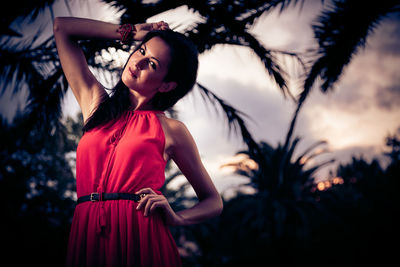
x=174 y=128
x=172 y=124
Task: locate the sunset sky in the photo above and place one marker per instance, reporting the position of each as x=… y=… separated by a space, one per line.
x=354 y=118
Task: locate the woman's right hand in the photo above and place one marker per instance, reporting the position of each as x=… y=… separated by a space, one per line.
x=143 y=28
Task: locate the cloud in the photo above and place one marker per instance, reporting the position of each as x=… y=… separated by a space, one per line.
x=268 y=112
x=371 y=80
x=290 y=30
x=363 y=106
x=388 y=98
x=388 y=36
x=268 y=118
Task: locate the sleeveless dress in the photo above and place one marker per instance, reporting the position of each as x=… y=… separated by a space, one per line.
x=123 y=156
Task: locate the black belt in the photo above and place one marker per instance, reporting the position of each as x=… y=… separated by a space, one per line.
x=110 y=196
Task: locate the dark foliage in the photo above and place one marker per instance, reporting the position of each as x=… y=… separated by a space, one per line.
x=349 y=224
x=36 y=189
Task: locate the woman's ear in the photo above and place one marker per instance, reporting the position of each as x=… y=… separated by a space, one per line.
x=167 y=86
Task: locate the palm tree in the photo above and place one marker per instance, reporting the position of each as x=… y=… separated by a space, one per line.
x=276 y=222
x=341 y=32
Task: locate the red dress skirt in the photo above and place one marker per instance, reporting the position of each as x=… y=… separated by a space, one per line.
x=121 y=157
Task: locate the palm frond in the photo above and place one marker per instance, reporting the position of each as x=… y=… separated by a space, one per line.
x=227 y=22
x=311 y=171
x=235 y=122
x=283 y=173
x=269 y=60
x=20 y=10
x=312 y=147
x=233 y=116
x=44 y=101
x=137 y=11
x=23 y=64
x=340 y=37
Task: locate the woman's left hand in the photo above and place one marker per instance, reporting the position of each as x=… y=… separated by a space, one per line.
x=143 y=28
x=152 y=201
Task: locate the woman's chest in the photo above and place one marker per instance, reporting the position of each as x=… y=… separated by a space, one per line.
x=123 y=140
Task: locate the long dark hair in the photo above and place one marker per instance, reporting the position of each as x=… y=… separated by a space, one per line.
x=182 y=69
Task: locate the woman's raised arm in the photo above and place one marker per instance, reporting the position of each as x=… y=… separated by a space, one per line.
x=67 y=31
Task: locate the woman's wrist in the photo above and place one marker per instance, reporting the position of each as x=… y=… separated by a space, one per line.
x=178 y=220
x=127 y=33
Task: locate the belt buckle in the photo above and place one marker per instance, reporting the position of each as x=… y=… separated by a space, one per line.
x=92 y=196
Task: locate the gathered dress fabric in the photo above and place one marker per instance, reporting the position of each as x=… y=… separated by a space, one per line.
x=123 y=156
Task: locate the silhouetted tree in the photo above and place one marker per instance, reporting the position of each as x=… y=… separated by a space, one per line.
x=37 y=187
x=341 y=31
x=274 y=223
x=365 y=212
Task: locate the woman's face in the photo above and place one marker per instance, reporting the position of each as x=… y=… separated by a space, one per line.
x=145 y=71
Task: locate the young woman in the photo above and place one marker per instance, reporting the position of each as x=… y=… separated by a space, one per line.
x=121 y=218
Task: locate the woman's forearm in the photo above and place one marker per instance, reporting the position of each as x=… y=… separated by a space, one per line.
x=82 y=28
x=202 y=211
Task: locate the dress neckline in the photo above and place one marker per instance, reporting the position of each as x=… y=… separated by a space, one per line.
x=143 y=111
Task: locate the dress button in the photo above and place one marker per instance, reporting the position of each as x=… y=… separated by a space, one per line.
x=113 y=139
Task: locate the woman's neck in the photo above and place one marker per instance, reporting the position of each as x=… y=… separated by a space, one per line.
x=139 y=102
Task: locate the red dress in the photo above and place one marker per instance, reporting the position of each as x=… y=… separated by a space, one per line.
x=122 y=157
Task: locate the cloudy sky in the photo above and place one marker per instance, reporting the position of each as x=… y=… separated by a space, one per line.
x=354 y=118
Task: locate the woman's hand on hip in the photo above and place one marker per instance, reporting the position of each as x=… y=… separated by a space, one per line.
x=152 y=201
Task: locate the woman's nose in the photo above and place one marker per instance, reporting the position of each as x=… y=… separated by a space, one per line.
x=141 y=63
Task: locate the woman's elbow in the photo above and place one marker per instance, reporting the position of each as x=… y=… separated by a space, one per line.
x=58 y=24
x=219 y=205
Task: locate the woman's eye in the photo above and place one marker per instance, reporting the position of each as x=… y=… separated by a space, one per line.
x=152 y=64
